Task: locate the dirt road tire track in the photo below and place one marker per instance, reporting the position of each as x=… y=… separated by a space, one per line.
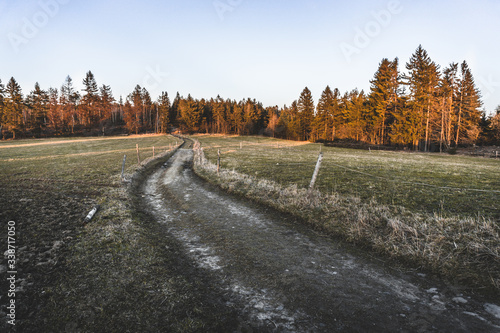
x=281 y=276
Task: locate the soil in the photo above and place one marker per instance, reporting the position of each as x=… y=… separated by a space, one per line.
x=280 y=276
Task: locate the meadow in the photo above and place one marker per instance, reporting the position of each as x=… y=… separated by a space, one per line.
x=432 y=212
x=440 y=184
x=111 y=274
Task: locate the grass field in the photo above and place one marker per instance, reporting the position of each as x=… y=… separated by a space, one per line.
x=431 y=183
x=109 y=275
x=436 y=212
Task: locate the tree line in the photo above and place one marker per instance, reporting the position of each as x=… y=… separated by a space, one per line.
x=425 y=108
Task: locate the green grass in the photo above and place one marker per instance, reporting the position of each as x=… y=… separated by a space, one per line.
x=113 y=274
x=432 y=183
x=389 y=203
x=87 y=160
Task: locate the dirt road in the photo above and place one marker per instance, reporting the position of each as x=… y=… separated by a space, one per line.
x=283 y=277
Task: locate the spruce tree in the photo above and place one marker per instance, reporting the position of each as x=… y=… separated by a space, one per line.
x=383 y=97
x=448 y=88
x=163 y=112
x=468 y=104
x=90 y=100
x=305 y=108
x=423 y=80
x=38 y=101
x=106 y=101
x=191 y=112
x=13 y=110
x=325 y=110
x=69 y=101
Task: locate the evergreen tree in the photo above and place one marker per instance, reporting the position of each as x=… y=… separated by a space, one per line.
x=175 y=112
x=423 y=81
x=448 y=88
x=106 y=101
x=191 y=113
x=468 y=104
x=147 y=110
x=494 y=127
x=163 y=112
x=357 y=108
x=68 y=100
x=90 y=100
x=305 y=107
x=383 y=97
x=55 y=114
x=13 y=109
x=325 y=111
x=134 y=109
x=38 y=102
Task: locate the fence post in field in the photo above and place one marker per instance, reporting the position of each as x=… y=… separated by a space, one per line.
x=123 y=165
x=138 y=159
x=153 y=151
x=241 y=145
x=316 y=171
x=218 y=161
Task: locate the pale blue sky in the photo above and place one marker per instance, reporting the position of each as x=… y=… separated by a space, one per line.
x=264 y=49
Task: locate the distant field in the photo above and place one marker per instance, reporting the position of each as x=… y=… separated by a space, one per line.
x=24 y=163
x=48 y=187
x=432 y=183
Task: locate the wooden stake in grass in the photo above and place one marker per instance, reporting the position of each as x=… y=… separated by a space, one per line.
x=153 y=151
x=138 y=159
x=316 y=171
x=123 y=165
x=218 y=161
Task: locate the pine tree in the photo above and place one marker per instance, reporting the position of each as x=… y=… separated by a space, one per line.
x=448 y=88
x=90 y=100
x=468 y=104
x=423 y=81
x=305 y=109
x=13 y=110
x=133 y=110
x=163 y=112
x=323 y=122
x=147 y=109
x=191 y=113
x=358 y=112
x=54 y=112
x=383 y=97
x=106 y=102
x=69 y=105
x=38 y=102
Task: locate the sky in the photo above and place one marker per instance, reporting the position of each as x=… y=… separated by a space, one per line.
x=269 y=50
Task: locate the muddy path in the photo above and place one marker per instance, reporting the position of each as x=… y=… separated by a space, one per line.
x=282 y=276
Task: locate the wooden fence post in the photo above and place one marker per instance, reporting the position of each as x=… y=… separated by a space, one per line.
x=316 y=171
x=138 y=159
x=123 y=165
x=218 y=161
x=153 y=151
